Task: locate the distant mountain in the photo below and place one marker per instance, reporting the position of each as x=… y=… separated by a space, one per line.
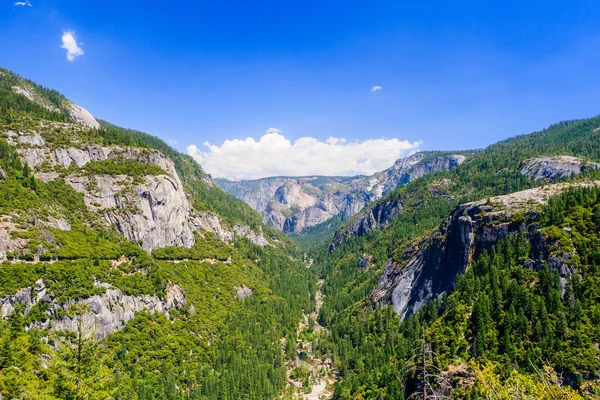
x=126 y=273
x=291 y=204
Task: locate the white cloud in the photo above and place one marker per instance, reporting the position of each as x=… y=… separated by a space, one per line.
x=23 y=3
x=69 y=43
x=274 y=155
x=376 y=88
x=172 y=141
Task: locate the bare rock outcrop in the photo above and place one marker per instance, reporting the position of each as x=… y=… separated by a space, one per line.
x=82 y=116
x=64 y=157
x=242 y=292
x=31 y=94
x=80 y=156
x=552 y=168
x=247 y=232
x=26 y=298
x=28 y=139
x=374 y=217
x=8 y=243
x=154 y=212
x=57 y=223
x=429 y=267
x=79 y=114
x=102 y=315
x=210 y=222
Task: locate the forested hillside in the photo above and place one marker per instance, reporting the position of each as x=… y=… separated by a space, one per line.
x=126 y=273
x=521 y=317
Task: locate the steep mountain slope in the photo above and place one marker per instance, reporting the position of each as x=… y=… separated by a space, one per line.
x=511 y=165
x=515 y=254
x=125 y=272
x=430 y=266
x=292 y=204
x=120 y=258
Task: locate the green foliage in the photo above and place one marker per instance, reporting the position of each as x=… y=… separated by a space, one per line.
x=317 y=235
x=366 y=345
x=219 y=347
x=497 y=169
x=505 y=320
x=13 y=105
x=122 y=167
x=501 y=311
x=205 y=248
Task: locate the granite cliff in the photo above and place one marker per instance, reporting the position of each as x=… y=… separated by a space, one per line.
x=101 y=314
x=429 y=267
x=81 y=195
x=292 y=204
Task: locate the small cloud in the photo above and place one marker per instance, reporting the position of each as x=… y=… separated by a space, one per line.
x=173 y=141
x=22 y=3
x=69 y=43
x=376 y=88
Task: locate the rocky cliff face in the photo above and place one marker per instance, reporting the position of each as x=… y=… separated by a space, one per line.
x=153 y=210
x=543 y=169
x=291 y=204
x=79 y=114
x=408 y=169
x=429 y=267
x=375 y=217
x=380 y=214
x=552 y=168
x=102 y=314
x=82 y=116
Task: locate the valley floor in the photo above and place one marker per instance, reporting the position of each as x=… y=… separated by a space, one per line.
x=306 y=367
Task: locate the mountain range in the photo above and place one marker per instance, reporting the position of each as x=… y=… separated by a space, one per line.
x=126 y=272
x=291 y=204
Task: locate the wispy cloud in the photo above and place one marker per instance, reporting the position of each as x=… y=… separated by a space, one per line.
x=172 y=141
x=69 y=43
x=376 y=88
x=274 y=155
x=22 y=3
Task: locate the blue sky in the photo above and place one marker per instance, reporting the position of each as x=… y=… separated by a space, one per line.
x=454 y=74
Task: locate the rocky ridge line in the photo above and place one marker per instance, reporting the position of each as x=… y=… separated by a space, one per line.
x=291 y=204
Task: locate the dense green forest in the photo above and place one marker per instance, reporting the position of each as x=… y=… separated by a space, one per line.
x=11 y=103
x=224 y=350
x=503 y=318
x=221 y=348
x=513 y=326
